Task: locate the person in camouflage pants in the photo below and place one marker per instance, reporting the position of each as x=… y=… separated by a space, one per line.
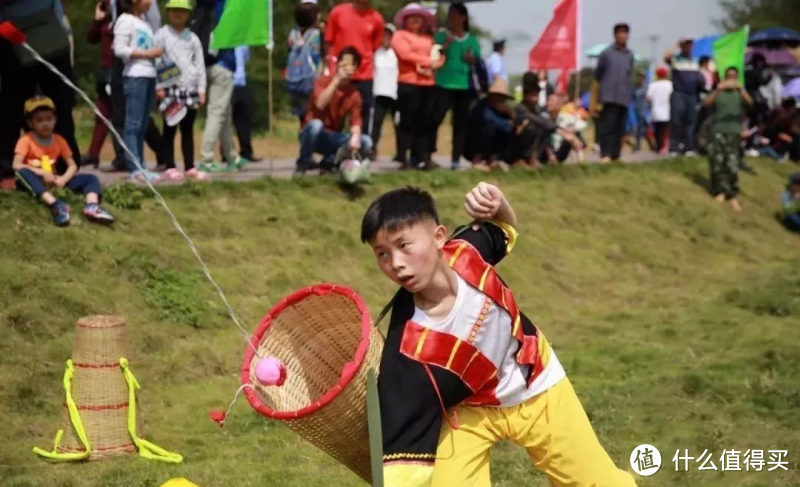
x=723 y=160
x=728 y=101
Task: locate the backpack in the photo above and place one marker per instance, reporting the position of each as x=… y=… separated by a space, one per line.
x=301 y=72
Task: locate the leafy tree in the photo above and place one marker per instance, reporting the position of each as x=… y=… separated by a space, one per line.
x=760 y=14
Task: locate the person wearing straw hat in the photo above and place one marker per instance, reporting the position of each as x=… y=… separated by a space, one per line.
x=462 y=367
x=489 y=128
x=417 y=62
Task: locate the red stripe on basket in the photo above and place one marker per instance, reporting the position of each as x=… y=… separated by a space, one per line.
x=97 y=366
x=349 y=371
x=102 y=408
x=129 y=445
x=81 y=325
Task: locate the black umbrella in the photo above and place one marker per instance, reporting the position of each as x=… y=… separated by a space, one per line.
x=776 y=35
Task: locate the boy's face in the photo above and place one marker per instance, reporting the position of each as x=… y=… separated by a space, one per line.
x=409 y=256
x=387 y=39
x=178 y=18
x=795 y=189
x=43 y=122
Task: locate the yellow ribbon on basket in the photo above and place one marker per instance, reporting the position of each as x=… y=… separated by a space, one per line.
x=75 y=418
x=146 y=449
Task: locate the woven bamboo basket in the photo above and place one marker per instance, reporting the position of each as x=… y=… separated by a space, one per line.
x=99 y=388
x=324 y=336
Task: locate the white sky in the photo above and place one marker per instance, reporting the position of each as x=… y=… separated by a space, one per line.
x=522 y=22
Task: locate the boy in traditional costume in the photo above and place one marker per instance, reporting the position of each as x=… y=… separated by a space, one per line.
x=462 y=367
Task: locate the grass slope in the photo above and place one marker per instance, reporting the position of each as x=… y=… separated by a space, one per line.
x=675 y=318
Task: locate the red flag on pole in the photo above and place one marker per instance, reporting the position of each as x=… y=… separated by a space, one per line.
x=559 y=45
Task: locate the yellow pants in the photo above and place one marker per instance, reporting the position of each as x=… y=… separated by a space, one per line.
x=552 y=427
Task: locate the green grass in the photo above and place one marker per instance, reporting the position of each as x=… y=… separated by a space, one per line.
x=675 y=318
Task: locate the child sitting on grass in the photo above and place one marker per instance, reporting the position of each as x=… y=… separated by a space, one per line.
x=790 y=201
x=34 y=159
x=462 y=367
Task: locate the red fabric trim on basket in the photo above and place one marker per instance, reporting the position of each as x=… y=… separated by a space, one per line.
x=97 y=366
x=120 y=447
x=101 y=408
x=81 y=325
x=349 y=371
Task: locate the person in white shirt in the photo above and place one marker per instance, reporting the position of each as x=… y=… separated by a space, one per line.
x=384 y=87
x=182 y=48
x=658 y=95
x=496 y=63
x=133 y=43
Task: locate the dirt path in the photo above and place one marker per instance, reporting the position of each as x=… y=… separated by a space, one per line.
x=283 y=167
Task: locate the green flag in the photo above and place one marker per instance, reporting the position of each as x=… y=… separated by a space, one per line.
x=729 y=51
x=244 y=23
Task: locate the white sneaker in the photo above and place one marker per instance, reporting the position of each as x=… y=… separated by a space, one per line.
x=690 y=153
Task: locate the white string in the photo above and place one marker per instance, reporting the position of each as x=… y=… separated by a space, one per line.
x=158 y=196
x=233 y=403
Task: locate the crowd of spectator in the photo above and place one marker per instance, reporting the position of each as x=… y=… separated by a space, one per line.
x=350 y=70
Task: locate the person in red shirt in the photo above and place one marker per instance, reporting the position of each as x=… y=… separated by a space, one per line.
x=334 y=99
x=358 y=25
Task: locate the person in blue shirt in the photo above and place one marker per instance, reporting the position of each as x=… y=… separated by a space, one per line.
x=687 y=83
x=243 y=105
x=490 y=128
x=613 y=73
x=496 y=62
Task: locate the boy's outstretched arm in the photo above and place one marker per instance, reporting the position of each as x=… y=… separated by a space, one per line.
x=487 y=202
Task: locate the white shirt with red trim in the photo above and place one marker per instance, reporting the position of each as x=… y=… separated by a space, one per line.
x=491 y=335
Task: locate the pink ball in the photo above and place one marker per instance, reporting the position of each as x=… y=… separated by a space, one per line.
x=270 y=372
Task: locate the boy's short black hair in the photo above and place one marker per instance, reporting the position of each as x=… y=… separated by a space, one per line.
x=530 y=83
x=622 y=27
x=733 y=68
x=397 y=209
x=353 y=52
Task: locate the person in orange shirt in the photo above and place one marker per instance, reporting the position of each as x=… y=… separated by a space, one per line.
x=417 y=62
x=35 y=157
